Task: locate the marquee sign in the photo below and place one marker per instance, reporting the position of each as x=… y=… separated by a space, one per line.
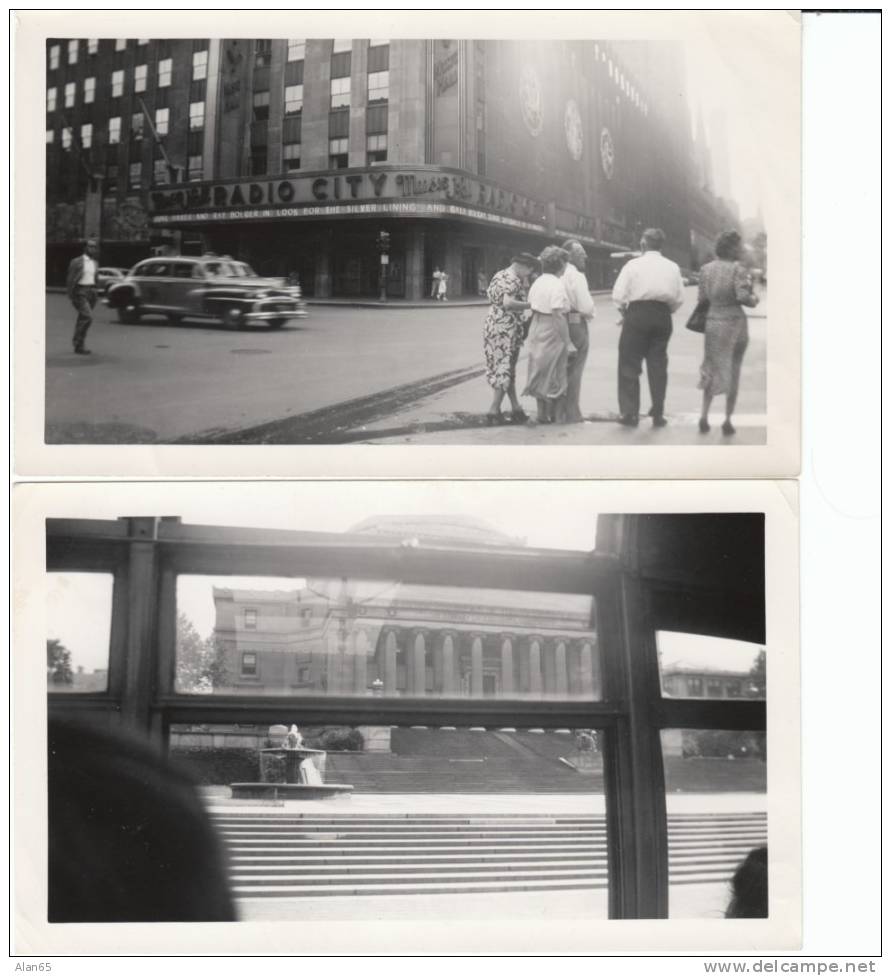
x=374 y=191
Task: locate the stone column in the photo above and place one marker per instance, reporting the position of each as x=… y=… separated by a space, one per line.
x=550 y=671
x=507 y=666
x=448 y=664
x=332 y=664
x=415 y=284
x=586 y=669
x=323 y=265
x=476 y=667
x=390 y=648
x=561 y=684
x=535 y=686
x=360 y=661
x=419 y=669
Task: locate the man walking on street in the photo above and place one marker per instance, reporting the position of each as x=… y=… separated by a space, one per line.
x=81 y=288
x=581 y=311
x=647 y=291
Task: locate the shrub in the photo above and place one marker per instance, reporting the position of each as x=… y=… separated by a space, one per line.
x=336 y=738
x=218 y=767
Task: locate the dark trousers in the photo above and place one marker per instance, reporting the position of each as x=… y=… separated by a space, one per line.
x=645 y=334
x=83 y=299
x=570 y=412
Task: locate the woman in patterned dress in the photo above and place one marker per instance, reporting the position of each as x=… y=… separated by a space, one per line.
x=503 y=335
x=727 y=286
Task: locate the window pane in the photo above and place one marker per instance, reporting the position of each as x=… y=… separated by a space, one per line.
x=694 y=666
x=495 y=822
x=716 y=795
x=78 y=631
x=373 y=637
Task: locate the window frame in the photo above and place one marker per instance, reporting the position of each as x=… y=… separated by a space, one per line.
x=147 y=555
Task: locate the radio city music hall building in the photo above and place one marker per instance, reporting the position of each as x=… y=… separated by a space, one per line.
x=295 y=155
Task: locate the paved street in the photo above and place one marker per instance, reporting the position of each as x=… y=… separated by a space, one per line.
x=344 y=374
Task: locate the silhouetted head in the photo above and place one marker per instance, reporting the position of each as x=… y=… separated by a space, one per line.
x=652 y=239
x=91 y=247
x=729 y=246
x=749 y=886
x=553 y=260
x=578 y=256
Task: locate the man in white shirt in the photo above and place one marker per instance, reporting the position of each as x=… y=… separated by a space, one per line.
x=581 y=312
x=647 y=291
x=81 y=287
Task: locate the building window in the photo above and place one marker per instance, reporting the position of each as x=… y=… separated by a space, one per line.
x=86 y=135
x=259 y=160
x=199 y=65
x=378 y=58
x=262 y=53
x=137 y=126
x=715 y=688
x=66 y=137
x=340 y=46
x=250 y=619
x=340 y=93
x=50 y=137
x=114 y=129
x=378 y=86
x=376 y=119
x=117 y=84
x=72 y=52
x=135 y=181
x=111 y=178
x=54 y=57
x=162 y=121
x=304 y=675
x=69 y=94
x=120 y=44
x=694 y=687
x=140 y=77
x=142 y=40
x=261 y=106
x=377 y=149
x=296 y=50
x=341 y=65
x=51 y=99
x=291 y=156
x=89 y=91
x=161 y=173
x=165 y=72
x=196 y=115
x=338 y=153
x=195 y=170
x=249 y=664
x=293 y=99
x=378 y=43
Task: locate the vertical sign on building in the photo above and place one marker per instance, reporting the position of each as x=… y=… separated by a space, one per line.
x=446 y=102
x=234 y=96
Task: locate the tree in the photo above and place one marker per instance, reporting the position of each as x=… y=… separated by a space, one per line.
x=58 y=663
x=757 y=686
x=200 y=663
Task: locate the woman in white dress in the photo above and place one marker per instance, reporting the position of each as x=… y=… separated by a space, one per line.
x=548 y=344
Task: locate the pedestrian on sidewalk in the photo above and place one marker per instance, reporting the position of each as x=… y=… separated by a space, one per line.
x=581 y=312
x=727 y=286
x=549 y=341
x=503 y=335
x=440 y=285
x=647 y=291
x=80 y=285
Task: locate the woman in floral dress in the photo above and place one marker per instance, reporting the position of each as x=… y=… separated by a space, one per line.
x=727 y=286
x=503 y=335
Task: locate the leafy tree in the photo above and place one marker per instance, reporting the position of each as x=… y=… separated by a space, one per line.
x=200 y=663
x=58 y=663
x=758 y=676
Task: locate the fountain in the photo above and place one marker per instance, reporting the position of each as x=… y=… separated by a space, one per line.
x=288 y=771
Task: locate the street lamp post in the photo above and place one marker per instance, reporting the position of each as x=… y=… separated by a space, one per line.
x=383 y=246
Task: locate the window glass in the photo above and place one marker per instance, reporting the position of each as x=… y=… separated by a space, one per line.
x=78 y=631
x=340 y=92
x=379 y=86
x=293 y=99
x=117 y=83
x=161 y=174
x=196 y=115
x=291 y=156
x=72 y=52
x=86 y=135
x=54 y=57
x=69 y=94
x=364 y=637
x=694 y=666
x=51 y=99
x=261 y=106
x=66 y=137
x=50 y=136
x=89 y=91
x=195 y=167
x=135 y=175
x=114 y=129
x=296 y=50
x=120 y=44
x=162 y=121
x=140 y=76
x=137 y=126
x=511 y=822
x=165 y=72
x=92 y=45
x=340 y=46
x=716 y=797
x=199 y=65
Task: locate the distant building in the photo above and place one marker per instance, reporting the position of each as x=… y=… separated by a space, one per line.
x=681 y=681
x=295 y=155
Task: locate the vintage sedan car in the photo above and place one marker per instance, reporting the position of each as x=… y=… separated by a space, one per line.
x=207 y=287
x=106 y=277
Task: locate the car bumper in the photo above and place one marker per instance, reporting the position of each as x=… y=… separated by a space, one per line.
x=269 y=315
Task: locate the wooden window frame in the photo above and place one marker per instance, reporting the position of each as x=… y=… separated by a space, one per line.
x=146 y=555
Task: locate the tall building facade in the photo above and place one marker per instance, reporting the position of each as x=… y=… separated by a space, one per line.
x=305 y=155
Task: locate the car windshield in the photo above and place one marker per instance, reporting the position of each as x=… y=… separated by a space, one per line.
x=229 y=269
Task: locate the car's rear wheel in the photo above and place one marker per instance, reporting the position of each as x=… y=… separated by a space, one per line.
x=128 y=314
x=276 y=323
x=233 y=317
x=174 y=318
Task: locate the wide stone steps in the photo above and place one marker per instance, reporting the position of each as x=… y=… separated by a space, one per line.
x=293 y=855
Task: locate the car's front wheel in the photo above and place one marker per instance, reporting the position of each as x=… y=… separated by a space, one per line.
x=233 y=317
x=128 y=314
x=276 y=323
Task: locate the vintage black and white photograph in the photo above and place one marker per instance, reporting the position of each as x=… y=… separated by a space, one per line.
x=476 y=241
x=413 y=703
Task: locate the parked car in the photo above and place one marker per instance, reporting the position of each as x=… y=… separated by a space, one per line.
x=106 y=277
x=207 y=287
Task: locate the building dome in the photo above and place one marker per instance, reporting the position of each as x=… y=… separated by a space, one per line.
x=452 y=529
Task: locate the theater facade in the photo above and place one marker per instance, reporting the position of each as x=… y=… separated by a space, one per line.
x=302 y=156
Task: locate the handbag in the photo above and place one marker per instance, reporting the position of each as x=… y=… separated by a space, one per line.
x=696 y=322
